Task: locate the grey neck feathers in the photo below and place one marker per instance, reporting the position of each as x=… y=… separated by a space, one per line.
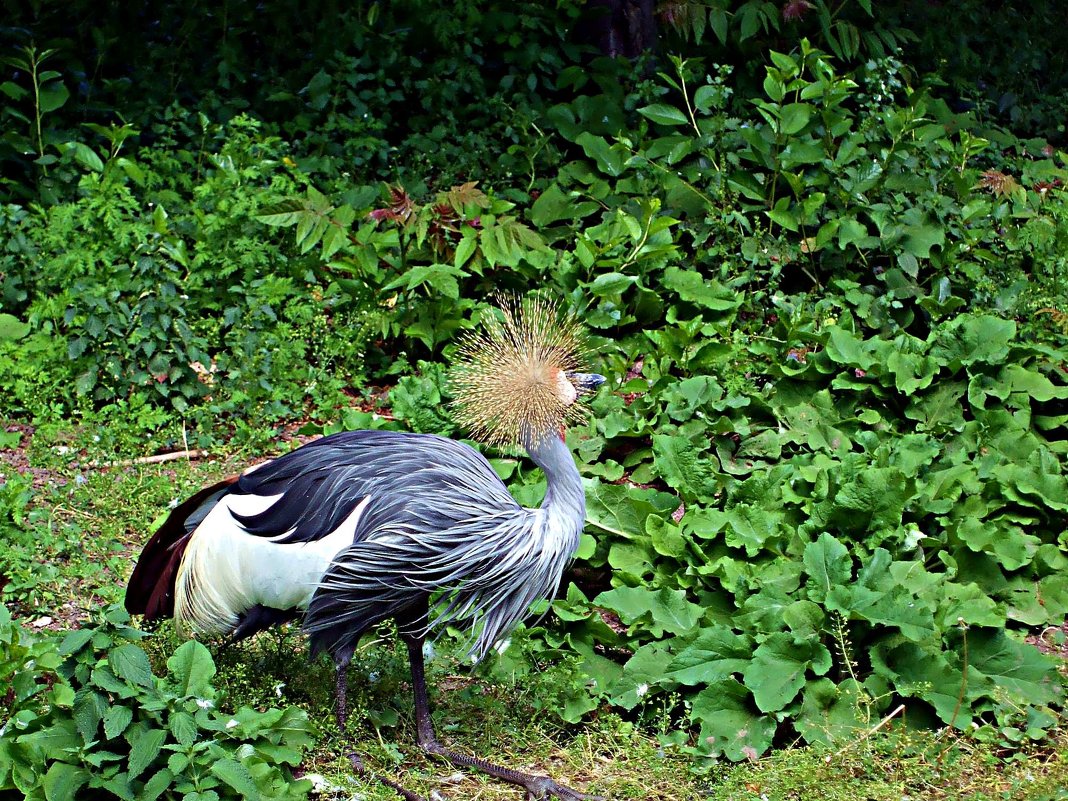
x=565 y=500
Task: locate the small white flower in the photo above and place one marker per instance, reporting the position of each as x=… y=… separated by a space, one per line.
x=641 y=690
x=278 y=689
x=204 y=703
x=232 y=723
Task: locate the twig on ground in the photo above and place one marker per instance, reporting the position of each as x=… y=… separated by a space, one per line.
x=156 y=459
x=897 y=711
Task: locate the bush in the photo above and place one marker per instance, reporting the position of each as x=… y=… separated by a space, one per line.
x=85 y=715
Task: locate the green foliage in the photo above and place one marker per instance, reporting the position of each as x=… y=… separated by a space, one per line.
x=87 y=717
x=832 y=478
x=861 y=528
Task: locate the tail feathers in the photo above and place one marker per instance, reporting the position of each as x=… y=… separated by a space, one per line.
x=151 y=588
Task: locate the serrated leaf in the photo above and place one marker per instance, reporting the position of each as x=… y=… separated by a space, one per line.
x=237 y=776
x=145 y=746
x=156 y=785
x=116 y=720
x=129 y=662
x=75 y=641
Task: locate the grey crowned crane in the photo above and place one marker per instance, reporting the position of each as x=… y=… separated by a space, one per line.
x=362 y=526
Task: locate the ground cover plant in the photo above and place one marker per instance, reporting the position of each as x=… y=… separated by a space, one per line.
x=826 y=490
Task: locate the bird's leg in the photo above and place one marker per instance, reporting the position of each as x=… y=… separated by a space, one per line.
x=341 y=685
x=537 y=787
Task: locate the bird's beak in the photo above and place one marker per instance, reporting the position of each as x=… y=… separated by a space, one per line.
x=585 y=382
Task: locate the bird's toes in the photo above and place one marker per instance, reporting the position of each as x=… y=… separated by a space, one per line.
x=542 y=788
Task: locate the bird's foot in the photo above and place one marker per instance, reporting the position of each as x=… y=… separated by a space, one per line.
x=540 y=788
x=360 y=769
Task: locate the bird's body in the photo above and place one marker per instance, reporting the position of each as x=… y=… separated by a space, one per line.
x=362 y=526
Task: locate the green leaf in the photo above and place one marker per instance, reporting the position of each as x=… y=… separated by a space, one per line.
x=623 y=510
x=11 y=328
x=693 y=287
x=156 y=785
x=183 y=727
x=609 y=159
x=920 y=239
x=62 y=781
x=131 y=663
x=145 y=746
x=828 y=565
x=793 y=117
x=52 y=96
x=237 y=776
x=717 y=653
x=116 y=720
x=729 y=727
x=191 y=669
x=663 y=610
x=644 y=670
x=973 y=338
x=1009 y=544
x=678 y=463
x=777 y=672
x=75 y=641
x=664 y=114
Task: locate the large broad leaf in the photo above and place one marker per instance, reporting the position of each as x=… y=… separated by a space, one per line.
x=679 y=463
x=833 y=714
x=661 y=610
x=622 y=510
x=62 y=781
x=695 y=288
x=779 y=667
x=610 y=159
x=872 y=499
x=828 y=565
x=973 y=338
x=729 y=725
x=1013 y=667
x=12 y=328
x=717 y=653
x=192 y=669
x=643 y=671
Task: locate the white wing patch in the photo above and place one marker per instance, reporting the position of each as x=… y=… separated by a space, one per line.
x=225 y=571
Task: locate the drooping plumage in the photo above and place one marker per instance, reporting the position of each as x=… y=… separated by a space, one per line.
x=362 y=526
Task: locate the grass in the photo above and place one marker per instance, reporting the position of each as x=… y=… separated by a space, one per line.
x=87 y=523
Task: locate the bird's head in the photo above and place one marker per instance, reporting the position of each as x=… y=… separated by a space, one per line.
x=520 y=375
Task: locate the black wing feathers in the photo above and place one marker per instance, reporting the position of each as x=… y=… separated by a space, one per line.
x=324 y=481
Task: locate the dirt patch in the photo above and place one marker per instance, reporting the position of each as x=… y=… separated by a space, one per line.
x=16 y=461
x=1048 y=641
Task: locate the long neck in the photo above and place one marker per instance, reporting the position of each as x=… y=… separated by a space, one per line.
x=565 y=499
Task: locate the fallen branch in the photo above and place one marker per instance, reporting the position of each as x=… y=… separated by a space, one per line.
x=157 y=459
